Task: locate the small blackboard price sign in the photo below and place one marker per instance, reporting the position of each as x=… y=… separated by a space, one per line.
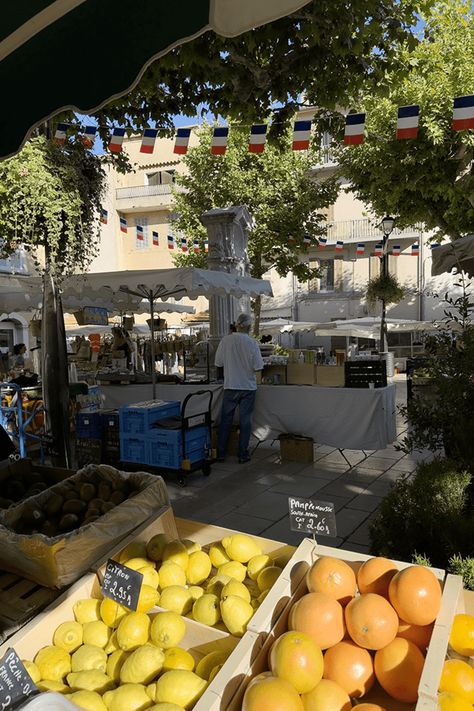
x=310 y=516
x=122 y=584
x=15 y=682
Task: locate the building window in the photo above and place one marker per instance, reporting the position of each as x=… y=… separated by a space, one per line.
x=141 y=220
x=326 y=281
x=160 y=177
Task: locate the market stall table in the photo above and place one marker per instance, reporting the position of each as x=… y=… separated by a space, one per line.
x=344 y=418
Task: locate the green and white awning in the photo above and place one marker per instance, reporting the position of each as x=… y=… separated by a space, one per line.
x=80 y=54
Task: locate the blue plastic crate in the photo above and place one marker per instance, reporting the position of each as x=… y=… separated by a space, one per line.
x=168 y=455
x=133 y=449
x=175 y=437
x=140 y=417
x=88 y=424
x=110 y=419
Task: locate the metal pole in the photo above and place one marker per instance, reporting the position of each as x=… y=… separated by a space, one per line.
x=152 y=346
x=383 y=335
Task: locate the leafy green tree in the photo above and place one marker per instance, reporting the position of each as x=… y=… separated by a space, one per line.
x=286 y=205
x=429 y=179
x=50 y=197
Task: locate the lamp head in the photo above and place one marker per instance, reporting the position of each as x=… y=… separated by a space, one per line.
x=387 y=224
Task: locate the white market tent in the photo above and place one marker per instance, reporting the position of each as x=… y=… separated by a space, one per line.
x=458 y=254
x=369 y=327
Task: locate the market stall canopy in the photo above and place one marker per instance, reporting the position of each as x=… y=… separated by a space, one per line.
x=457 y=254
x=74 y=330
x=123 y=305
x=369 y=327
x=281 y=325
x=69 y=54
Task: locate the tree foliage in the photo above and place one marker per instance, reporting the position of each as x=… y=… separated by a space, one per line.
x=50 y=197
x=429 y=179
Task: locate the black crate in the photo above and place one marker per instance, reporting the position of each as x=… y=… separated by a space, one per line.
x=360 y=373
x=88 y=451
x=110 y=454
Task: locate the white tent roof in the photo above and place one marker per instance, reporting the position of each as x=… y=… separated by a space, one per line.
x=281 y=325
x=459 y=253
x=369 y=327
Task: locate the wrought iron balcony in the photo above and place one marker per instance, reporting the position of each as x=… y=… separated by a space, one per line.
x=367 y=230
x=145 y=191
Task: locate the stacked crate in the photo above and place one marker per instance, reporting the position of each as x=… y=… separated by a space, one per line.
x=110 y=437
x=88 y=437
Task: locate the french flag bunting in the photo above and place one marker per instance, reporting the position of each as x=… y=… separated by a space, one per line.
x=407 y=121
x=219 y=140
x=140 y=233
x=291 y=239
x=354 y=130
x=88 y=137
x=306 y=239
x=415 y=250
x=196 y=246
x=170 y=242
x=60 y=133
x=148 y=140
x=116 y=140
x=182 y=141
x=378 y=250
x=104 y=216
x=434 y=245
x=156 y=239
x=258 y=137
x=123 y=225
x=206 y=246
x=463 y=113
x=339 y=245
x=322 y=242
x=360 y=248
x=396 y=249
x=301 y=135
x=184 y=244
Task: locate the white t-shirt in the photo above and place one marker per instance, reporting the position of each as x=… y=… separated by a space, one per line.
x=240 y=357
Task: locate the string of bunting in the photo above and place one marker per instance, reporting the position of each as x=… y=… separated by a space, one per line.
x=408 y=119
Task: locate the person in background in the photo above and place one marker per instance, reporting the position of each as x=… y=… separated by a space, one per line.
x=121 y=343
x=18 y=358
x=239 y=355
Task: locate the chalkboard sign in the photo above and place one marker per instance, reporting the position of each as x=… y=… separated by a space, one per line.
x=15 y=682
x=310 y=516
x=122 y=584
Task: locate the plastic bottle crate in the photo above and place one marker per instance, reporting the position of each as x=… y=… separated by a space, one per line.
x=88 y=425
x=138 y=419
x=110 y=427
x=165 y=449
x=88 y=451
x=196 y=435
x=133 y=449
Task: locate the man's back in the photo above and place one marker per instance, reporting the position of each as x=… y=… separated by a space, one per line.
x=240 y=357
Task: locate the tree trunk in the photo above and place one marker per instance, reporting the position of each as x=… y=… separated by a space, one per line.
x=257 y=308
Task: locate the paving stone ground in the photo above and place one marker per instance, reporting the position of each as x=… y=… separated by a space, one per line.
x=253 y=497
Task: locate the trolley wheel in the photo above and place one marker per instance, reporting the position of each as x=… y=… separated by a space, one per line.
x=206 y=470
x=182 y=481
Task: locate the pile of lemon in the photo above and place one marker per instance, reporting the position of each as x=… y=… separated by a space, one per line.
x=112 y=659
x=457 y=678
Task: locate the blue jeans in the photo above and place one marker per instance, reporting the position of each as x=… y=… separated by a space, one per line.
x=245 y=401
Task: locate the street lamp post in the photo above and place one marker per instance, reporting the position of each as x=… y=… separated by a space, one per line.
x=386 y=225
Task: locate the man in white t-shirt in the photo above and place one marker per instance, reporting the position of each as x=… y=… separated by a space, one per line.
x=240 y=357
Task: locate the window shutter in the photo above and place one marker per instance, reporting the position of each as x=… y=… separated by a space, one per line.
x=338 y=275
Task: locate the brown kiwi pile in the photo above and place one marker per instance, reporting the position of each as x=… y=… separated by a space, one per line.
x=21 y=485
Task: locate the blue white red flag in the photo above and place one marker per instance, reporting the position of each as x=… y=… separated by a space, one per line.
x=360 y=248
x=182 y=141
x=206 y=246
x=396 y=249
x=170 y=242
x=196 y=246
x=463 y=113
x=322 y=242
x=354 y=130
x=339 y=245
x=415 y=250
x=104 y=216
x=378 y=250
x=219 y=140
x=306 y=239
x=156 y=239
x=258 y=137
x=184 y=244
x=434 y=245
x=123 y=225
x=301 y=135
x=408 y=121
x=88 y=137
x=140 y=235
x=148 y=140
x=60 y=133
x=116 y=140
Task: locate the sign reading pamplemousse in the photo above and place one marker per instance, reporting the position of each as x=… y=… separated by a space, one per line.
x=310 y=516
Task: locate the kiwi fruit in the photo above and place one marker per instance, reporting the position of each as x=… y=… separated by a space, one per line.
x=117 y=497
x=87 y=492
x=107 y=506
x=68 y=522
x=54 y=504
x=104 y=491
x=69 y=494
x=49 y=529
x=32 y=517
x=95 y=504
x=89 y=519
x=93 y=513
x=74 y=506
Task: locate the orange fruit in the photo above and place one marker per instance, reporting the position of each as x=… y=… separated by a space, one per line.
x=398 y=668
x=452 y=702
x=371 y=621
x=370 y=707
x=295 y=657
x=457 y=677
x=415 y=593
x=374 y=576
x=333 y=577
x=319 y=616
x=351 y=667
x=418 y=634
x=461 y=638
x=271 y=694
x=327 y=696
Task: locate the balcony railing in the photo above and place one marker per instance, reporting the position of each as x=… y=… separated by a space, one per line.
x=140 y=191
x=364 y=229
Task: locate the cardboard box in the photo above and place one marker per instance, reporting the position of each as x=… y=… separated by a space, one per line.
x=300 y=374
x=232 y=443
x=330 y=375
x=295 y=448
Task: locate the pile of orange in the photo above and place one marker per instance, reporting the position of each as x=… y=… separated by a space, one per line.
x=348 y=632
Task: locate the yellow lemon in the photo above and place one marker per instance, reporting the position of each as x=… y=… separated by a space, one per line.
x=148 y=598
x=93 y=680
x=457 y=677
x=96 y=633
x=112 y=645
x=206 y=610
x=461 y=637
x=32 y=670
x=171 y=574
x=195 y=591
x=267 y=577
x=50 y=685
x=111 y=612
x=218 y=555
x=175 y=552
x=191 y=546
x=115 y=663
x=151 y=691
x=165 y=707
x=257 y=564
x=240 y=547
x=143 y=665
x=236 y=614
x=209 y=662
x=215 y=672
x=136 y=549
x=88 y=657
x=177 y=658
x=137 y=563
x=235 y=588
x=89 y=700
x=452 y=702
x=133 y=631
x=86 y=610
x=233 y=570
x=167 y=629
x=150 y=576
x=177 y=599
x=182 y=688
x=68 y=636
x=199 y=567
x=128 y=697
x=156 y=546
x=53 y=663
x=216 y=584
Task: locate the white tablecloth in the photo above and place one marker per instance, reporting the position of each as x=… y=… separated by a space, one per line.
x=346 y=418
